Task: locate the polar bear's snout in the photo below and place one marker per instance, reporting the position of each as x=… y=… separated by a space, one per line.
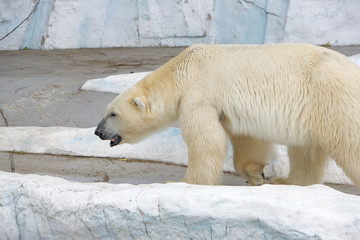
x=103 y=134
x=99 y=131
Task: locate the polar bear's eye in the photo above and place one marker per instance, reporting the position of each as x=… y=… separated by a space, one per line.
x=112 y=114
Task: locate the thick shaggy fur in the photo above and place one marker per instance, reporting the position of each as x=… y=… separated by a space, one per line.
x=303 y=96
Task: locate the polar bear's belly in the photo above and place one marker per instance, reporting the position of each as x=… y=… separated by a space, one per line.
x=267 y=126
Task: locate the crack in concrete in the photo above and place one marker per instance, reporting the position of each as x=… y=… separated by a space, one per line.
x=12 y=162
x=245 y=2
x=16 y=199
x=159 y=210
x=47 y=214
x=125 y=214
x=11 y=158
x=273 y=14
x=211 y=229
x=31 y=209
x=186 y=226
x=138 y=30
x=226 y=230
x=106 y=227
x=142 y=217
x=87 y=227
x=3 y=116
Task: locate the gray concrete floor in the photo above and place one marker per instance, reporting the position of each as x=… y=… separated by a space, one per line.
x=42 y=88
x=91 y=169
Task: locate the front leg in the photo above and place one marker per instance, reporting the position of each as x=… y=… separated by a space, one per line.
x=207 y=144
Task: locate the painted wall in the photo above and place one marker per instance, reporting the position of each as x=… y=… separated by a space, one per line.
x=138 y=23
x=323 y=21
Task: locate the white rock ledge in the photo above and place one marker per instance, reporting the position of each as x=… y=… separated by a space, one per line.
x=115 y=83
x=42 y=207
x=167 y=146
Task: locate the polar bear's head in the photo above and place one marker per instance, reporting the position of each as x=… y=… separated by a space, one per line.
x=135 y=114
x=127 y=119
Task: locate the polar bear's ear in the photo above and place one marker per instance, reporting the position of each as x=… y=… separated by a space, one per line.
x=139 y=103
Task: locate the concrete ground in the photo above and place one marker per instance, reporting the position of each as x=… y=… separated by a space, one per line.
x=42 y=88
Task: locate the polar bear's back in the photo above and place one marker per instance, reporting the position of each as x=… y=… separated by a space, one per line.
x=283 y=92
x=265 y=60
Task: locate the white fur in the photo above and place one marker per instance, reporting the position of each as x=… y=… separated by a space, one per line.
x=304 y=96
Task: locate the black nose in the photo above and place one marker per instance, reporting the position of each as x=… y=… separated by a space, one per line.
x=97 y=133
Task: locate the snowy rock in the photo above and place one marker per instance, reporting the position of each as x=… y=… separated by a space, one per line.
x=167 y=146
x=115 y=84
x=42 y=207
x=355 y=59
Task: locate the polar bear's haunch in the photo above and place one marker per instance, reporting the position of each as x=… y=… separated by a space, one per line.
x=300 y=95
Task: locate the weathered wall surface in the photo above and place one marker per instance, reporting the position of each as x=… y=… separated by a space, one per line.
x=319 y=22
x=113 y=23
x=128 y=23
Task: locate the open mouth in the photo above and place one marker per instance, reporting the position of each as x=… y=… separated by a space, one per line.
x=115 y=140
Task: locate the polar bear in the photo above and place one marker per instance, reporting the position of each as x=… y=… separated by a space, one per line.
x=304 y=96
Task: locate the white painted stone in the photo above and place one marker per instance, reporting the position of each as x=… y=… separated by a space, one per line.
x=115 y=83
x=42 y=207
x=355 y=59
x=166 y=146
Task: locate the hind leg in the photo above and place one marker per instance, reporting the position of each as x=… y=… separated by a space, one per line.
x=307 y=166
x=250 y=157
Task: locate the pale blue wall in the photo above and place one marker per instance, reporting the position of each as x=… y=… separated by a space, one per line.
x=140 y=23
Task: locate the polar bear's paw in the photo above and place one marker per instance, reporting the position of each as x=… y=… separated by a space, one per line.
x=279 y=181
x=256 y=181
